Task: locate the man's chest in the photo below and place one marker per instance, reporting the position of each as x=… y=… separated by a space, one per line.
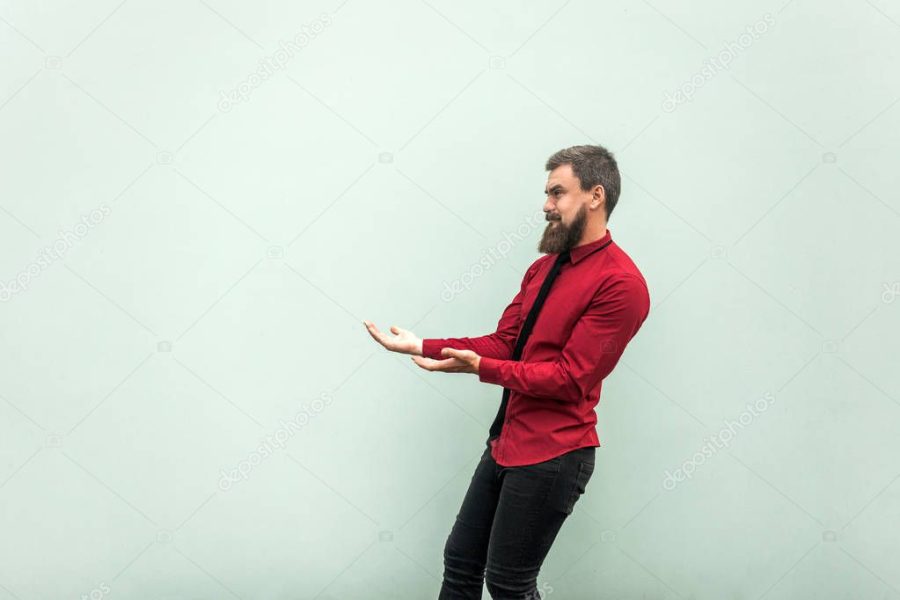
x=566 y=301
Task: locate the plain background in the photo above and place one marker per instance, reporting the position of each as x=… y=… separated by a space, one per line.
x=237 y=246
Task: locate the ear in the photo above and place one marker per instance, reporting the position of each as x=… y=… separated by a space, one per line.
x=599 y=198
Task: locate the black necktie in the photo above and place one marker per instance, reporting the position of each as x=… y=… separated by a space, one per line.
x=523 y=337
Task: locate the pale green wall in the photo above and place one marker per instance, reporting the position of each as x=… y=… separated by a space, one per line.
x=237 y=244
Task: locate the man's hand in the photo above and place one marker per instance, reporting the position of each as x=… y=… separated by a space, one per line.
x=459 y=361
x=404 y=341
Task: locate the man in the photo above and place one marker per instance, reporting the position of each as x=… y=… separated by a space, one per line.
x=591 y=300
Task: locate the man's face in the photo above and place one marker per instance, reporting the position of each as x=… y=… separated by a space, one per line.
x=565 y=210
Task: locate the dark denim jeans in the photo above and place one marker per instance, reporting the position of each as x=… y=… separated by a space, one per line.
x=508 y=520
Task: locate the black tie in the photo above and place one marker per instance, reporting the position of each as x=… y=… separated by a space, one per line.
x=523 y=337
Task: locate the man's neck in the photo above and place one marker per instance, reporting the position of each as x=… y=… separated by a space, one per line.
x=592 y=234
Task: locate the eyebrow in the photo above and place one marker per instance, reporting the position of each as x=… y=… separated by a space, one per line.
x=554 y=188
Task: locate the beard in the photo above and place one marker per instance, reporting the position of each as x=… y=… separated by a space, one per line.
x=559 y=237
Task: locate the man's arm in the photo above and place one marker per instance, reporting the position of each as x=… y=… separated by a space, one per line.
x=597 y=342
x=499 y=344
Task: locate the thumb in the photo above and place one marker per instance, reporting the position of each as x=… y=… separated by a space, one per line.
x=395 y=330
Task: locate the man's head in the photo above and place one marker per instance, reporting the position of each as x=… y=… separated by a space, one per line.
x=582 y=190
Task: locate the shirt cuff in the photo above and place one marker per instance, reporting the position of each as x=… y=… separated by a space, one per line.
x=431 y=348
x=489 y=370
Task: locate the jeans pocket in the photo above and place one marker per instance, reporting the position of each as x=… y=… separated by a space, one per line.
x=579 y=484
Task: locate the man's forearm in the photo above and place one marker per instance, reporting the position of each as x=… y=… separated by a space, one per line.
x=493 y=345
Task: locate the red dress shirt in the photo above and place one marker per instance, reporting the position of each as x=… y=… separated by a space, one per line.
x=596 y=305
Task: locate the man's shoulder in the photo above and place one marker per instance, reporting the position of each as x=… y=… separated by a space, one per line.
x=619 y=271
x=612 y=263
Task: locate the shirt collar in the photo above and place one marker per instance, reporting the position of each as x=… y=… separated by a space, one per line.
x=579 y=252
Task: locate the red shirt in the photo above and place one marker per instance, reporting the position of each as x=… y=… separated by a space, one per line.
x=596 y=305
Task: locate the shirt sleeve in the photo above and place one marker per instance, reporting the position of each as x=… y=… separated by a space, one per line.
x=499 y=344
x=595 y=345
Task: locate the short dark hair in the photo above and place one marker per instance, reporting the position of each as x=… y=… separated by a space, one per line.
x=593 y=165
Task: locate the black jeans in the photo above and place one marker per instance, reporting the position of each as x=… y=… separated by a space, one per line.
x=508 y=520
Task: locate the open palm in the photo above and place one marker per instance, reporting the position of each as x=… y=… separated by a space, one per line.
x=403 y=340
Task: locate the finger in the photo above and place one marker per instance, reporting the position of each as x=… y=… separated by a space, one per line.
x=438 y=365
x=463 y=355
x=424 y=363
x=421 y=361
x=376 y=335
